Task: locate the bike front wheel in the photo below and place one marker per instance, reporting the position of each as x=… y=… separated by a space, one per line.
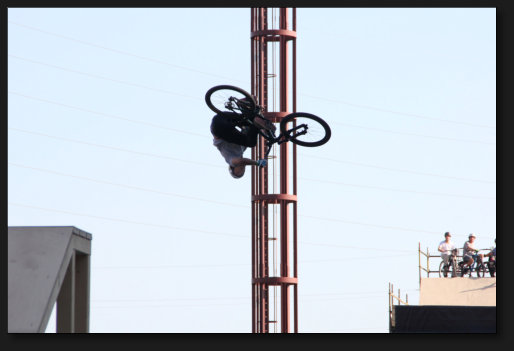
x=227 y=99
x=306 y=130
x=466 y=271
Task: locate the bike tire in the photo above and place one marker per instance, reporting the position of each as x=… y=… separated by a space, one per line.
x=467 y=271
x=491 y=268
x=217 y=98
x=459 y=269
x=481 y=271
x=320 y=130
x=442 y=270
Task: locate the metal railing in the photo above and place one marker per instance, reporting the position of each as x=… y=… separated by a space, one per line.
x=427 y=255
x=392 y=298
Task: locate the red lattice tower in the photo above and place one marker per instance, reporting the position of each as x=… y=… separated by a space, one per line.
x=273 y=38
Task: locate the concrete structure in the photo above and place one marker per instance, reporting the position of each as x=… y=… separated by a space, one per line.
x=48 y=265
x=447 y=305
x=458 y=291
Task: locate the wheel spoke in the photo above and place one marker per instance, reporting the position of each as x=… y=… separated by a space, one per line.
x=225 y=98
x=221 y=99
x=305 y=129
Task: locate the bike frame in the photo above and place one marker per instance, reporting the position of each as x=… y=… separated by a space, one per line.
x=451 y=259
x=248 y=116
x=477 y=262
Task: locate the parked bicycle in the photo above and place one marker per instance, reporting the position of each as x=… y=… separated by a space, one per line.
x=301 y=128
x=478 y=267
x=450 y=266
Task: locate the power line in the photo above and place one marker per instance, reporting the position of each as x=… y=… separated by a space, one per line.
x=413 y=134
x=216 y=202
x=399 y=190
x=355 y=247
x=370 y=225
x=114 y=148
x=181 y=305
x=202 y=135
x=218 y=166
x=175 y=266
x=197 y=98
x=396 y=169
x=105 y=78
x=374 y=225
x=219 y=233
x=108 y=115
x=126 y=53
x=241 y=297
x=246 y=82
x=306 y=155
x=399 y=113
x=128 y=221
x=127 y=186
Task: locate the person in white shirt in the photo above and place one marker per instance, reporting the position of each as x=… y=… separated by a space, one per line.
x=446 y=247
x=469 y=253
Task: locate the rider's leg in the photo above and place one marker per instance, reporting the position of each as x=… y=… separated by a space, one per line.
x=445 y=257
x=468 y=261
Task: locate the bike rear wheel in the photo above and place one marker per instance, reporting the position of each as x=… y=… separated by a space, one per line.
x=227 y=99
x=307 y=129
x=481 y=271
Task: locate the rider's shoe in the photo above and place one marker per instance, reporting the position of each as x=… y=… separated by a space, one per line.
x=262 y=163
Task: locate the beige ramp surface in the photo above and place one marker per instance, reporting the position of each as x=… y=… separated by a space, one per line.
x=458 y=291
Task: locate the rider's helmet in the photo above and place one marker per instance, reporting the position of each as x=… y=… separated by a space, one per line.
x=231 y=171
x=472 y=235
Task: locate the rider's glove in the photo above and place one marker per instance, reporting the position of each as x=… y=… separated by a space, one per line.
x=261 y=163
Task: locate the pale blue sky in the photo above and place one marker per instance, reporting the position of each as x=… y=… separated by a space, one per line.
x=109 y=132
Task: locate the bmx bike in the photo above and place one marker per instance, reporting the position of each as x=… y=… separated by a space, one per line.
x=301 y=128
x=452 y=265
x=478 y=266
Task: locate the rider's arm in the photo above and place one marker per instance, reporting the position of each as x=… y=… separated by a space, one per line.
x=241 y=161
